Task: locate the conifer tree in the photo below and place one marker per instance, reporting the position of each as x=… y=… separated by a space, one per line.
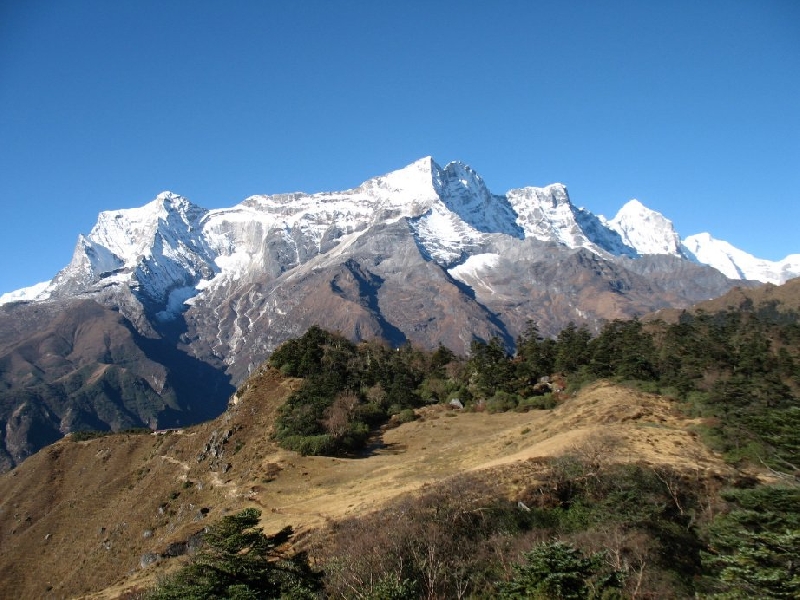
x=238 y=561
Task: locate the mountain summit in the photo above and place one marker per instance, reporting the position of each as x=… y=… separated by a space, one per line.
x=646 y=230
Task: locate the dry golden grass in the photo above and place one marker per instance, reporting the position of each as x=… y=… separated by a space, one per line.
x=76 y=518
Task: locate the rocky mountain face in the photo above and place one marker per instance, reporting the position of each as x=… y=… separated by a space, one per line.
x=164 y=309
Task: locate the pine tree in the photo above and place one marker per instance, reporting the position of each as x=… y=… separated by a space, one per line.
x=558 y=571
x=238 y=561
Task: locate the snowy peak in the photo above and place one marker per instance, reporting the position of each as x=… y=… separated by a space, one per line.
x=459 y=178
x=157 y=249
x=737 y=264
x=547 y=214
x=414 y=182
x=464 y=193
x=645 y=230
x=131 y=233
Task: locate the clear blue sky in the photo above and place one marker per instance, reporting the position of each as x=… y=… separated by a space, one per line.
x=691 y=107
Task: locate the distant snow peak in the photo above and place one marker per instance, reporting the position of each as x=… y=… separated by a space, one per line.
x=416 y=179
x=646 y=230
x=464 y=193
x=547 y=214
x=26 y=294
x=737 y=264
x=457 y=173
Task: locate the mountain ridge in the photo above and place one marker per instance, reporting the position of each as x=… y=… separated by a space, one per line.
x=452 y=200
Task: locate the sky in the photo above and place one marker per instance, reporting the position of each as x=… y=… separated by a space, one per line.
x=691 y=107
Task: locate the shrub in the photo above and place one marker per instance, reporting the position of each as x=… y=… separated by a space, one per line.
x=545 y=402
x=555 y=571
x=88 y=434
x=310 y=445
x=501 y=402
x=406 y=415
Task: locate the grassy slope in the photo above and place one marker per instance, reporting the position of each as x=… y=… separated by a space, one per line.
x=76 y=518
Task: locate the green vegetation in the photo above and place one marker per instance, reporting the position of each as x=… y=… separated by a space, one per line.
x=577 y=526
x=739 y=370
x=348 y=390
x=753 y=547
x=582 y=530
x=90 y=434
x=556 y=571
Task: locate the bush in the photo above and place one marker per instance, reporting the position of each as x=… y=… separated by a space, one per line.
x=237 y=560
x=88 y=434
x=753 y=547
x=545 y=402
x=406 y=415
x=555 y=571
x=310 y=445
x=501 y=402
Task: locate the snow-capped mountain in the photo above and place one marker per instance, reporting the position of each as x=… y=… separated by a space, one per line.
x=646 y=230
x=170 y=249
x=164 y=308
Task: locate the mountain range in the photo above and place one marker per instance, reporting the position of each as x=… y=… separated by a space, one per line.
x=164 y=309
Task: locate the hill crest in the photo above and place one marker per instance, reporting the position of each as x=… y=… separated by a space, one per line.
x=120 y=503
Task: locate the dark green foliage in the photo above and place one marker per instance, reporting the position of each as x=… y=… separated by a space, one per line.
x=442 y=357
x=753 y=547
x=623 y=349
x=737 y=369
x=238 y=561
x=572 y=348
x=311 y=445
x=501 y=402
x=591 y=530
x=490 y=367
x=348 y=390
x=535 y=354
x=406 y=416
x=90 y=434
x=558 y=571
x=302 y=357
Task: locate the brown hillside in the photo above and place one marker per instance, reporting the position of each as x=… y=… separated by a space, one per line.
x=90 y=518
x=787 y=297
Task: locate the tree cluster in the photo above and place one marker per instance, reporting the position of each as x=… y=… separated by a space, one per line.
x=740 y=369
x=348 y=389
